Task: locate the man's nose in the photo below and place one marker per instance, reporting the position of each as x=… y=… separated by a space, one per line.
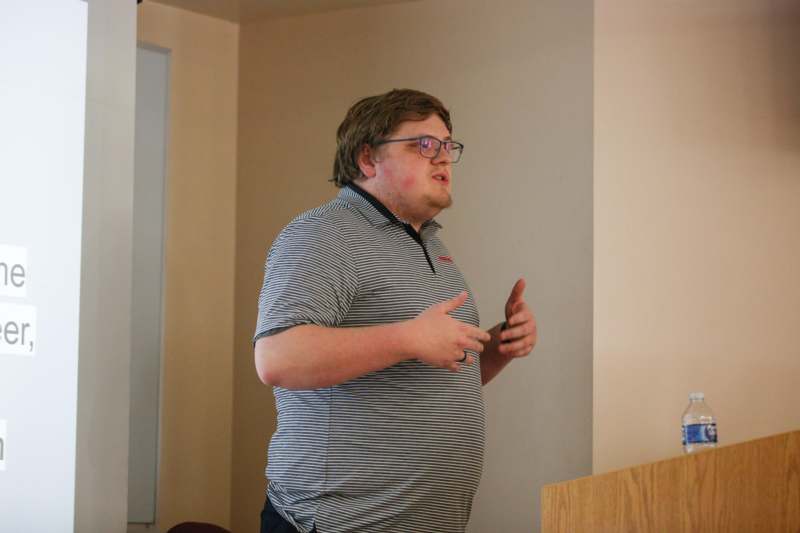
x=442 y=157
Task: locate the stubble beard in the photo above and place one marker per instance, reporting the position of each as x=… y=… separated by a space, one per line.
x=443 y=203
x=438 y=203
x=425 y=208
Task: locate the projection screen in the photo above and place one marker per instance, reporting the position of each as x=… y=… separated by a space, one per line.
x=42 y=113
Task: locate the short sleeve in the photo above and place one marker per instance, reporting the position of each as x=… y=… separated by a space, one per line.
x=309 y=278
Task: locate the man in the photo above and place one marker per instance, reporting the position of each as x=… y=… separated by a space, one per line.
x=369 y=335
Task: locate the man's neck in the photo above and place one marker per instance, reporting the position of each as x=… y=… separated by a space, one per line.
x=368 y=186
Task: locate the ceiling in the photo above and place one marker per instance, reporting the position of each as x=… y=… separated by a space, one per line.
x=246 y=10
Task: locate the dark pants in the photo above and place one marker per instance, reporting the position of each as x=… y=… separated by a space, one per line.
x=272 y=522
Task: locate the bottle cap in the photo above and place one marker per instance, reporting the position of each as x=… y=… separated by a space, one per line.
x=696 y=396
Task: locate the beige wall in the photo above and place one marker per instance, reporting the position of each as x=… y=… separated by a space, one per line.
x=696 y=201
x=697 y=216
x=101 y=467
x=197 y=402
x=518 y=81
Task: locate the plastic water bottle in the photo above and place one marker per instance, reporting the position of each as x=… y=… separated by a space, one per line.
x=699 y=425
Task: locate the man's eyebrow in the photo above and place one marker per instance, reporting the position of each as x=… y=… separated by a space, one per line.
x=448 y=138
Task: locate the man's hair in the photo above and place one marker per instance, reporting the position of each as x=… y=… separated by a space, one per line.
x=374 y=118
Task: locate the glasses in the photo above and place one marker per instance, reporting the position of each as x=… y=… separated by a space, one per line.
x=430 y=147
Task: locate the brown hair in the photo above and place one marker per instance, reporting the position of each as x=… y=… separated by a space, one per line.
x=372 y=119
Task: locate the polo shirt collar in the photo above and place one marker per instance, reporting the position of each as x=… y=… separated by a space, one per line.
x=377 y=213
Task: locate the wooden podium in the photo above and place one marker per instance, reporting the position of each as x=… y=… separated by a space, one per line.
x=749 y=487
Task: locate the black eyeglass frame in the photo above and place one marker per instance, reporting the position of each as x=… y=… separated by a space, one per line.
x=460 y=146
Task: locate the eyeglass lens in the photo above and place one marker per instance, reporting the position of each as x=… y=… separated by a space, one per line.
x=429 y=147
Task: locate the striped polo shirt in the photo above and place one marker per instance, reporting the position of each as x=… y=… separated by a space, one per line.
x=397 y=450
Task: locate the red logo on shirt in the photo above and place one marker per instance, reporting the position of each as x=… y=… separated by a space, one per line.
x=445 y=259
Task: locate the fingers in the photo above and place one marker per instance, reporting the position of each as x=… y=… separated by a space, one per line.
x=451 y=334
x=476 y=333
x=473 y=338
x=521 y=336
x=473 y=346
x=520 y=315
x=522 y=352
x=517 y=308
x=454 y=303
x=514 y=346
x=455 y=366
x=513 y=333
x=517 y=290
x=517 y=348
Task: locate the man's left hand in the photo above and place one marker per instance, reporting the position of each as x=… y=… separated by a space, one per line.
x=520 y=335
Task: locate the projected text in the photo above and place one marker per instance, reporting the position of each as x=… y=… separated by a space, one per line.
x=2 y=444
x=17 y=329
x=13 y=271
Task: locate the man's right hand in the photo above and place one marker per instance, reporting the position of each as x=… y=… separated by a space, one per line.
x=440 y=340
x=308 y=356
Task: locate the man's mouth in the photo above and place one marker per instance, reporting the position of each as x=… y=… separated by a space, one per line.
x=444 y=178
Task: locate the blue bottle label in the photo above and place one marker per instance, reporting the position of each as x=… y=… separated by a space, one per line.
x=699 y=433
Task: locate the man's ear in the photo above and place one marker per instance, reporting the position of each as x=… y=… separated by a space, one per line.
x=366 y=162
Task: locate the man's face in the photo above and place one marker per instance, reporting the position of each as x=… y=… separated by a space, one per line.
x=414 y=187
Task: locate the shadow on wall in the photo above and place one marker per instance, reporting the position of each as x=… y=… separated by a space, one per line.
x=755 y=103
x=784 y=55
